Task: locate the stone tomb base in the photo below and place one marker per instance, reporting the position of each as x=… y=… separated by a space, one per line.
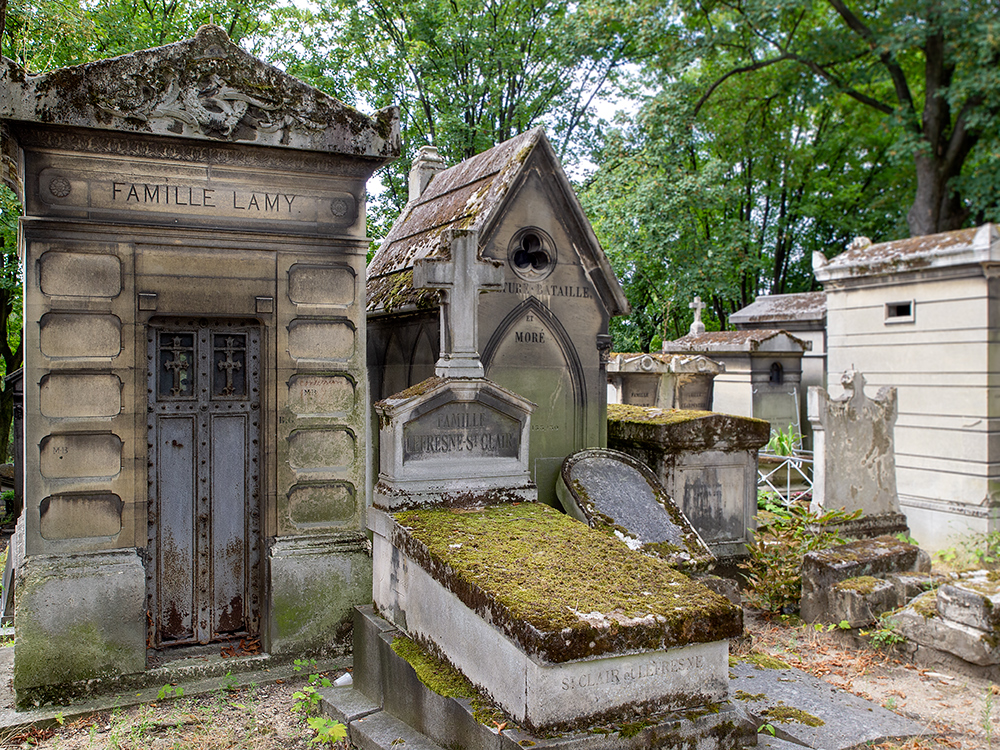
x=586 y=666
x=389 y=703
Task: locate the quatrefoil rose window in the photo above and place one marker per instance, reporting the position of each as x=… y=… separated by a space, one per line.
x=532 y=254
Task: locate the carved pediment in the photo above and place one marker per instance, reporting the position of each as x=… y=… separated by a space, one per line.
x=206 y=88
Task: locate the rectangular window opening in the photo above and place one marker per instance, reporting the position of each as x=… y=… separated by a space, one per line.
x=900 y=312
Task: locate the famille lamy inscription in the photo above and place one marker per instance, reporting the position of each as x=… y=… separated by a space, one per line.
x=212 y=197
x=469 y=429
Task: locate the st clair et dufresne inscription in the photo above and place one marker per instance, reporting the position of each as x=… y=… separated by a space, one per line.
x=208 y=198
x=461 y=430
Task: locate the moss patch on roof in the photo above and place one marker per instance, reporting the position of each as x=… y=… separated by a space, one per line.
x=650 y=415
x=561 y=589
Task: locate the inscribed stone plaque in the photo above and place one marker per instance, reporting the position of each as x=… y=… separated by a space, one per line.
x=320 y=449
x=713 y=497
x=612 y=490
x=620 y=492
x=695 y=391
x=80 y=275
x=324 y=340
x=331 y=504
x=320 y=285
x=75 y=335
x=80 y=455
x=640 y=390
x=461 y=430
x=80 y=516
x=320 y=394
x=80 y=395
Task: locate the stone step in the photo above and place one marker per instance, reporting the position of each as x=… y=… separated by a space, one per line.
x=807 y=711
x=380 y=731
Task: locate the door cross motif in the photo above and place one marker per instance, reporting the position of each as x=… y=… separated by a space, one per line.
x=178 y=365
x=230 y=364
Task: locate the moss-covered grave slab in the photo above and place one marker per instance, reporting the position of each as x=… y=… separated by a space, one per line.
x=558 y=623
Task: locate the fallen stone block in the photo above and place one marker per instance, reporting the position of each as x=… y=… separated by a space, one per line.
x=922 y=624
x=911 y=585
x=822 y=569
x=860 y=601
x=974 y=602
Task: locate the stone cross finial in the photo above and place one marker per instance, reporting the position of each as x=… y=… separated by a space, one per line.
x=462 y=275
x=696 y=325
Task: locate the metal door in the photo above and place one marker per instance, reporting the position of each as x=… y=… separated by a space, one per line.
x=203 y=428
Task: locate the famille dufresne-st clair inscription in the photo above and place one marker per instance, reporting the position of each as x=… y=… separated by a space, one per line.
x=460 y=429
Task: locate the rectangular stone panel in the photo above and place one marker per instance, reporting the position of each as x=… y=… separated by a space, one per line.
x=158 y=198
x=320 y=394
x=321 y=340
x=76 y=335
x=80 y=455
x=461 y=430
x=79 y=274
x=327 y=504
x=321 y=285
x=80 y=395
x=80 y=516
x=321 y=449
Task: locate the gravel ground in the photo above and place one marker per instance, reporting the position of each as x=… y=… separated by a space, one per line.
x=964 y=712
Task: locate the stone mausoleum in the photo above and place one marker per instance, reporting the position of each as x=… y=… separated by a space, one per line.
x=194 y=383
x=544 y=333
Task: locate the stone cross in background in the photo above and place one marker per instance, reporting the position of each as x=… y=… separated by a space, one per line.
x=462 y=275
x=696 y=325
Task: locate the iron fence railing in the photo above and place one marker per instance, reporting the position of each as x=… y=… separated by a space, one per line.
x=787 y=476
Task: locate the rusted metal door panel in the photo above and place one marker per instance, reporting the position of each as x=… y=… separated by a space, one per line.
x=229 y=449
x=203 y=496
x=175 y=436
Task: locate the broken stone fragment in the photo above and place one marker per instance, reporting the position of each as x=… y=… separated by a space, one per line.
x=972 y=602
x=861 y=600
x=822 y=569
x=922 y=624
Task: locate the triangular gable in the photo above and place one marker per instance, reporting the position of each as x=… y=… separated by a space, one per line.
x=473 y=195
x=206 y=88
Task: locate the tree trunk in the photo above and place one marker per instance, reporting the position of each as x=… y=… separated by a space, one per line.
x=936 y=208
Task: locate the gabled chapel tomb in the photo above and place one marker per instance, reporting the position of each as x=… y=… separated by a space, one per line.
x=195 y=417
x=544 y=333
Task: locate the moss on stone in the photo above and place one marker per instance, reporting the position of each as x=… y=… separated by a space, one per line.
x=442 y=678
x=530 y=570
x=632 y=413
x=859 y=585
x=787 y=714
x=742 y=695
x=925 y=605
x=764 y=661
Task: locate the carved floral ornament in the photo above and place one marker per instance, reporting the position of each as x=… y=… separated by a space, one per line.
x=213 y=106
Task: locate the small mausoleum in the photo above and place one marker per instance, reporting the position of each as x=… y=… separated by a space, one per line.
x=921 y=315
x=544 y=333
x=762 y=376
x=804 y=316
x=195 y=412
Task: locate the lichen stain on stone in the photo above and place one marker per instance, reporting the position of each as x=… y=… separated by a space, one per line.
x=528 y=569
x=860 y=584
x=787 y=714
